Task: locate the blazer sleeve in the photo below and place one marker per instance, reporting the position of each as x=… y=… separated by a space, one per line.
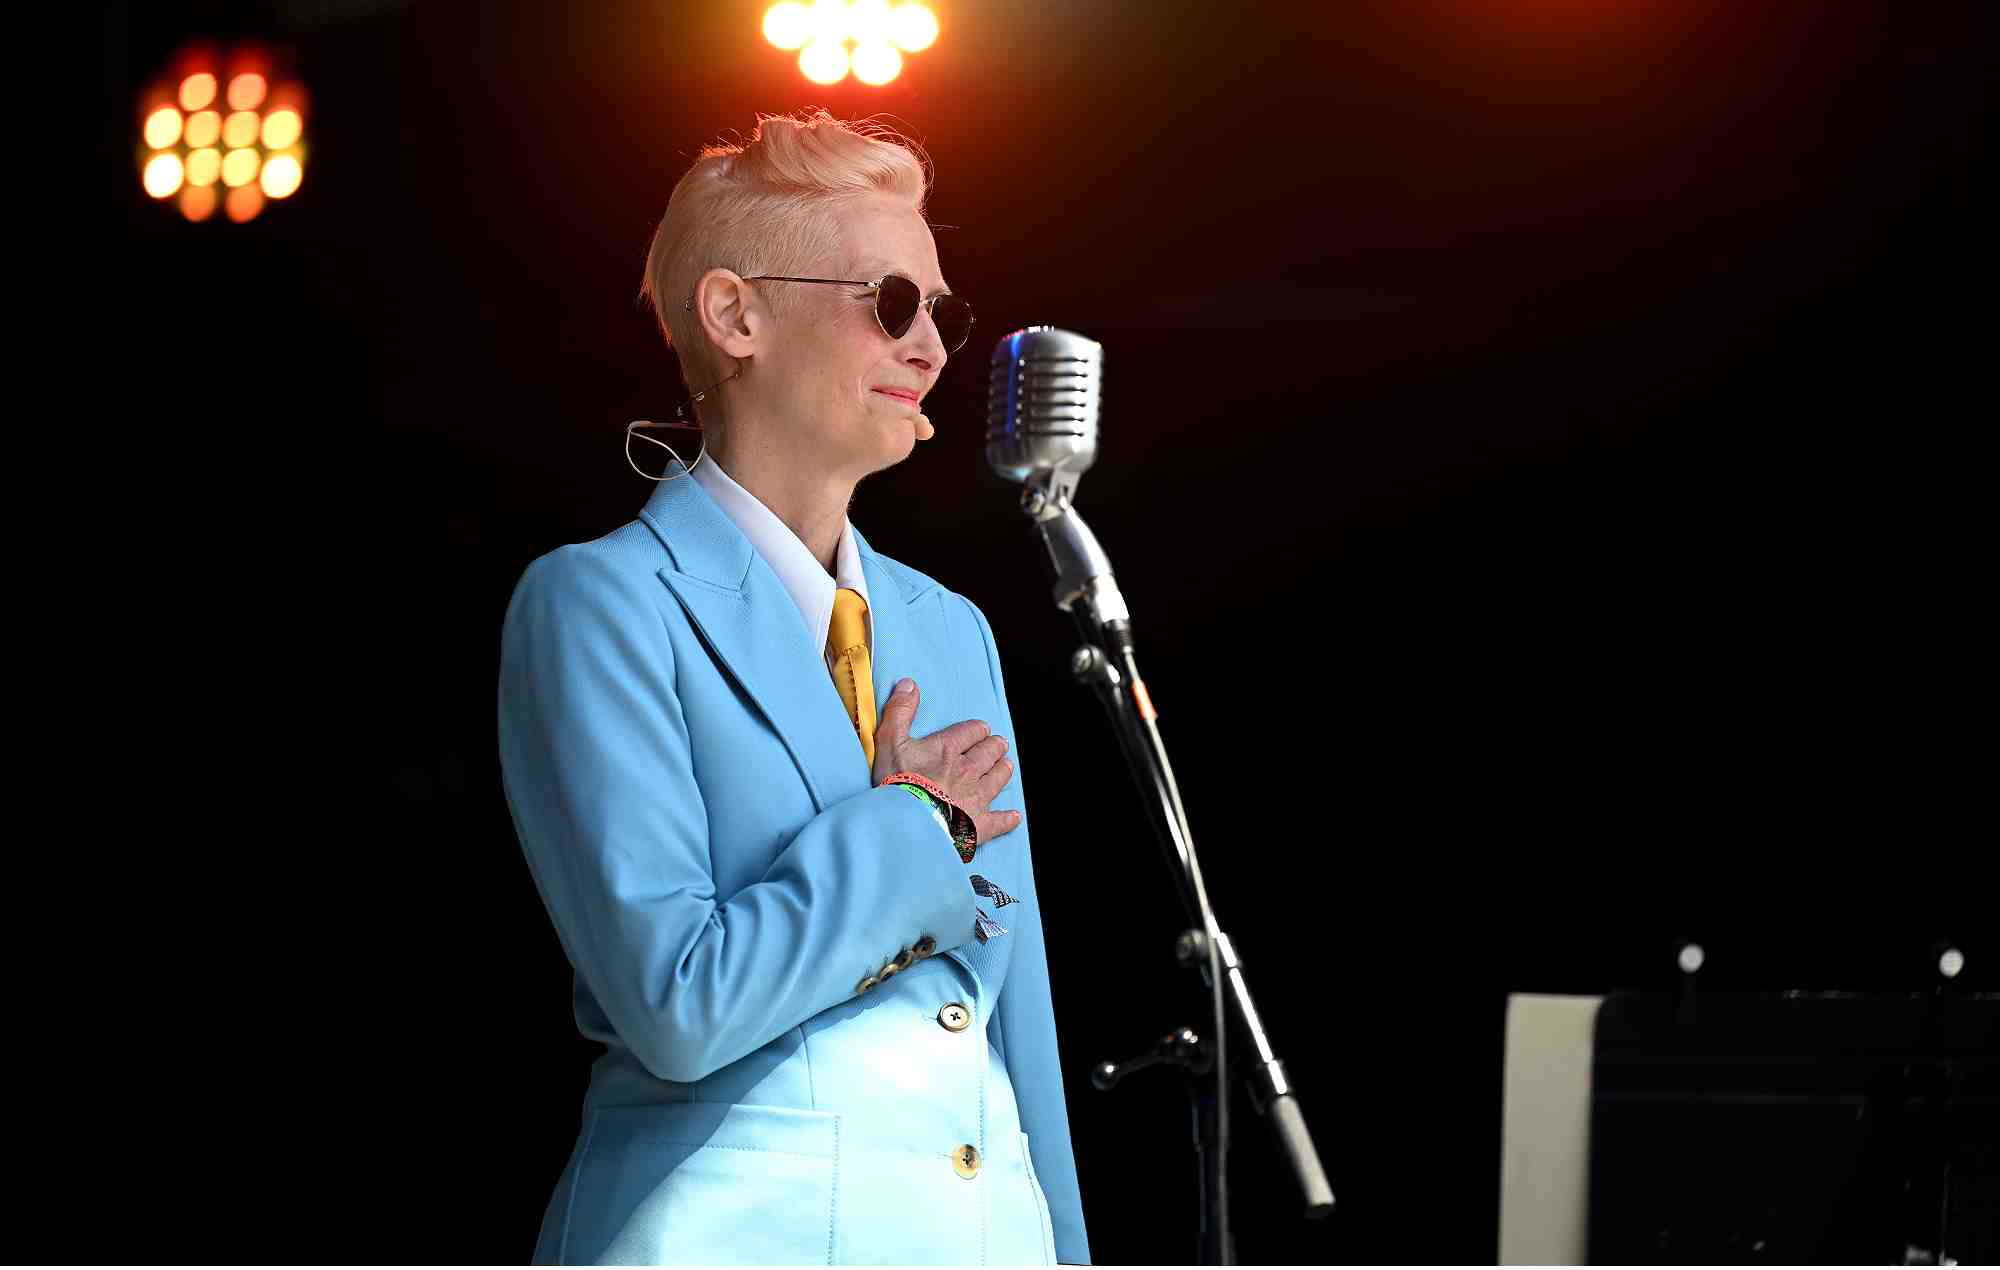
x=596 y=768
x=1027 y=1017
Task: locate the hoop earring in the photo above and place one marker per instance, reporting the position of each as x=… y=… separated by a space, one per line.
x=680 y=412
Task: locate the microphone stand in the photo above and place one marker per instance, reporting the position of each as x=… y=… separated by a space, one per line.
x=1085 y=589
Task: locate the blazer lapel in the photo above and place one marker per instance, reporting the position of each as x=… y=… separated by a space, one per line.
x=909 y=630
x=754 y=629
x=756 y=632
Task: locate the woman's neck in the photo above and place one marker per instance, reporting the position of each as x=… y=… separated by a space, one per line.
x=812 y=507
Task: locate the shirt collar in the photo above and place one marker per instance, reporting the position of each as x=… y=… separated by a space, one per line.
x=803 y=577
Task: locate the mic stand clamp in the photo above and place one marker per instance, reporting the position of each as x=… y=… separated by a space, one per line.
x=1186 y=1049
x=1268 y=1081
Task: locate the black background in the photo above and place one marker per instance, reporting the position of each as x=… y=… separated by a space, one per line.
x=1540 y=451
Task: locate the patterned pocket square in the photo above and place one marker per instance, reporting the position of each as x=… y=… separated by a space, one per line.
x=986 y=927
x=999 y=897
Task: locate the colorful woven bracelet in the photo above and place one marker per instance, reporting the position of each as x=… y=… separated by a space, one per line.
x=964 y=834
x=921 y=796
x=931 y=805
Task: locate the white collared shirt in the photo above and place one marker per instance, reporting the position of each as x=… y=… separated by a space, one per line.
x=804 y=577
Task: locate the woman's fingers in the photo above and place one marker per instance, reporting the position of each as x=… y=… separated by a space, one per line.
x=994 y=823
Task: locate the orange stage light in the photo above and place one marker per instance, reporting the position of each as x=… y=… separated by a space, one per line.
x=204 y=128
x=788 y=25
x=823 y=62
x=163 y=127
x=197 y=91
x=163 y=174
x=281 y=128
x=243 y=203
x=223 y=131
x=877 y=63
x=241 y=129
x=204 y=167
x=913 y=27
x=868 y=21
x=828 y=21
x=281 y=175
x=239 y=167
x=198 y=202
x=246 y=91
x=878 y=31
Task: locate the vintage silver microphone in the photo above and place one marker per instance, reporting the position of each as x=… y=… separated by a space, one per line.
x=1041 y=431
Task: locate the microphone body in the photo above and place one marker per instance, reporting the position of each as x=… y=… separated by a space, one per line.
x=1043 y=402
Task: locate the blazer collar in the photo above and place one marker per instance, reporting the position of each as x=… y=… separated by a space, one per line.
x=758 y=635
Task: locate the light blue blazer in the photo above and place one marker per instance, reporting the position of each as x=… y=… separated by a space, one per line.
x=701 y=824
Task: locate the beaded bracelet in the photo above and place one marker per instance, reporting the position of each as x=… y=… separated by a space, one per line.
x=964 y=834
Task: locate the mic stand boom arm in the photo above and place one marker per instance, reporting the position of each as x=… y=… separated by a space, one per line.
x=1085 y=589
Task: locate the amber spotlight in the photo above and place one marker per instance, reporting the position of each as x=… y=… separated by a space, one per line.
x=163 y=175
x=282 y=128
x=163 y=127
x=197 y=92
x=222 y=130
x=198 y=202
x=204 y=128
x=204 y=167
x=868 y=37
x=243 y=203
x=246 y=91
x=281 y=175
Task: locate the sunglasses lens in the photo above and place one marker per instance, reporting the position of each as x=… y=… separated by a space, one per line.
x=896 y=305
x=896 y=302
x=954 y=321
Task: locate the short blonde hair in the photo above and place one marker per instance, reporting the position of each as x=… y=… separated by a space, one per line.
x=768 y=207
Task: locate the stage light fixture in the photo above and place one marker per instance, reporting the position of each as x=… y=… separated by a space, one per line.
x=824 y=62
x=204 y=166
x=222 y=132
x=197 y=91
x=868 y=21
x=788 y=25
x=239 y=167
x=204 y=128
x=244 y=202
x=280 y=175
x=868 y=37
x=1951 y=962
x=912 y=27
x=198 y=202
x=828 y=21
x=163 y=127
x=876 y=63
x=281 y=129
x=241 y=128
x=163 y=175
x=246 y=91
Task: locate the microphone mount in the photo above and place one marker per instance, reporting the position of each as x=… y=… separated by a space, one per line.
x=1083 y=571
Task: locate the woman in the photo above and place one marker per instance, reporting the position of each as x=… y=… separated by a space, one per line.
x=802 y=913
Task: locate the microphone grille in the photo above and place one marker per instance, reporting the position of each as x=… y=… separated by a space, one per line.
x=1045 y=381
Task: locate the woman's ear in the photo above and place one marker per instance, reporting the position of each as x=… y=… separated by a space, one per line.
x=729 y=311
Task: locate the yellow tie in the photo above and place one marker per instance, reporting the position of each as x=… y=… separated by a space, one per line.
x=847 y=641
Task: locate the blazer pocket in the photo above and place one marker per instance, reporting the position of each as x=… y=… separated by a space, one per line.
x=716 y=1183
x=1041 y=1204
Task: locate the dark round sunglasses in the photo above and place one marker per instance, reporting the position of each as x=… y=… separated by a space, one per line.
x=897 y=300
